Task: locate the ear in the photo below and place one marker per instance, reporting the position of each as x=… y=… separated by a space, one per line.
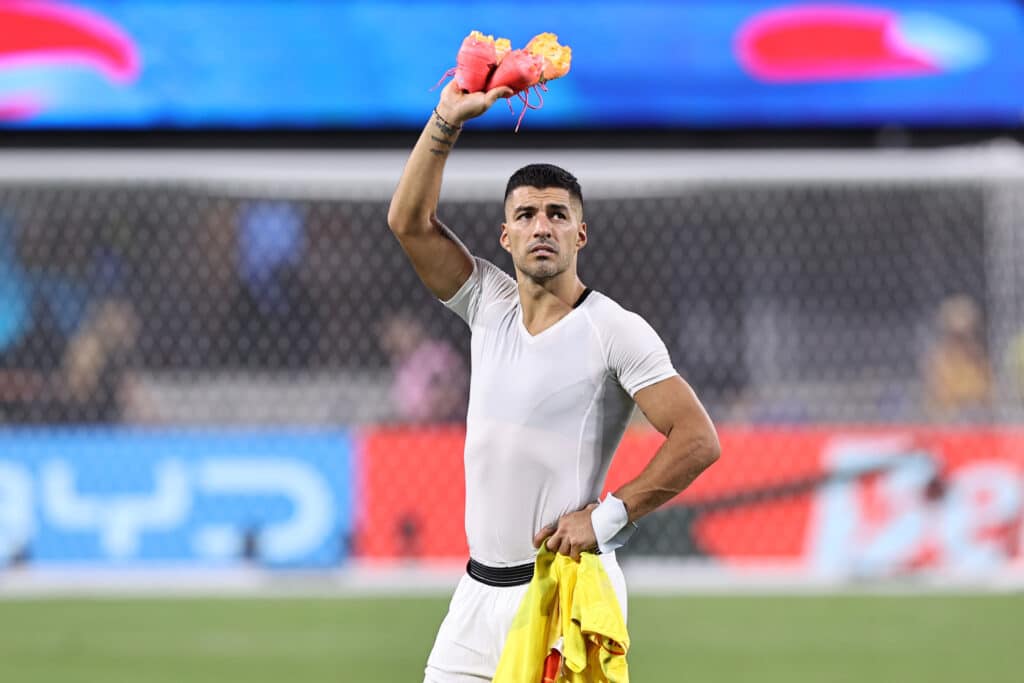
x=581 y=236
x=506 y=243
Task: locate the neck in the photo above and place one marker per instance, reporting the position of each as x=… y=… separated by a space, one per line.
x=546 y=302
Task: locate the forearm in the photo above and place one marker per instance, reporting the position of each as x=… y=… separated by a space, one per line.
x=419 y=188
x=680 y=460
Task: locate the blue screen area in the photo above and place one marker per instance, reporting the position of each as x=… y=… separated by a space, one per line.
x=199 y=498
x=363 y=65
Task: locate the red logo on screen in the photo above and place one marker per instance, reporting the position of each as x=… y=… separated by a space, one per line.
x=43 y=33
x=814 y=43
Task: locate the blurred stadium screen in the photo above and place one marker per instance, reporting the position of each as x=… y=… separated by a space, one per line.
x=223 y=359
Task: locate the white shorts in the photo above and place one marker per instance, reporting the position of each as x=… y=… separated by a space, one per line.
x=472 y=635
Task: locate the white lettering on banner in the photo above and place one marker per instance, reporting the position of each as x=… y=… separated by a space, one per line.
x=120 y=519
x=17 y=522
x=985 y=497
x=218 y=542
x=905 y=517
x=846 y=539
x=286 y=540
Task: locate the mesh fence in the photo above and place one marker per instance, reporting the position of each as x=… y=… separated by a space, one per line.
x=790 y=303
x=785 y=304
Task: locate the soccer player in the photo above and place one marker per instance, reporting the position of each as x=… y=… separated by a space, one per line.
x=556 y=369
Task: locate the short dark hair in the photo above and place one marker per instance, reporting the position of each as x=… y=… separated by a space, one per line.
x=545 y=175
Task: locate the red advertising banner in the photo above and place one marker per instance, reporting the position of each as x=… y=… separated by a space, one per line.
x=839 y=500
x=410 y=494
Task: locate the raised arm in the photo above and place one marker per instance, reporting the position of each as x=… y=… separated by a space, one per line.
x=440 y=259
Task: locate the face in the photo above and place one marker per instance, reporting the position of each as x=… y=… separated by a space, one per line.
x=399 y=336
x=543 y=230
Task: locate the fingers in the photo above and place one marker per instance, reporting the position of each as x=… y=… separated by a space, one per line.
x=571 y=535
x=551 y=536
x=470 y=105
x=563 y=546
x=553 y=543
x=559 y=544
x=539 y=537
x=491 y=96
x=496 y=93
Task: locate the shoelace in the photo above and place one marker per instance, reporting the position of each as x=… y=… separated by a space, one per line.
x=524 y=95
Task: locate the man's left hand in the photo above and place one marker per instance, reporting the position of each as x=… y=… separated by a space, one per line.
x=570 y=535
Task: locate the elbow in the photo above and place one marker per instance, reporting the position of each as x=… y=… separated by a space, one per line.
x=712 y=451
x=708 y=450
x=404 y=222
x=397 y=221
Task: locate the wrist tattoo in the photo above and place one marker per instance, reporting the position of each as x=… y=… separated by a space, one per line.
x=444 y=126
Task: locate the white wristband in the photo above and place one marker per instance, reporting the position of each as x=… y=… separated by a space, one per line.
x=611 y=524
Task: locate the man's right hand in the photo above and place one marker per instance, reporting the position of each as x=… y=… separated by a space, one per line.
x=457 y=107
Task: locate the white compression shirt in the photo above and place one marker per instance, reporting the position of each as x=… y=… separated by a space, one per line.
x=546 y=412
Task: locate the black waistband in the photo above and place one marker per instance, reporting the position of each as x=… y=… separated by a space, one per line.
x=518 y=575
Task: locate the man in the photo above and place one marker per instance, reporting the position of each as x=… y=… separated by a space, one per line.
x=431 y=380
x=555 y=371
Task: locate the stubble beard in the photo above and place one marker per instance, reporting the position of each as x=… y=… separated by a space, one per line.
x=542 y=271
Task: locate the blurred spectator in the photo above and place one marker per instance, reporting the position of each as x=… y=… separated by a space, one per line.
x=274 y=314
x=93 y=384
x=958 y=382
x=430 y=379
x=38 y=312
x=90 y=382
x=38 y=309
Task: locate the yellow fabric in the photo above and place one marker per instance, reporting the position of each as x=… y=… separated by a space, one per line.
x=574 y=600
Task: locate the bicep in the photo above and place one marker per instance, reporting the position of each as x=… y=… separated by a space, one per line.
x=440 y=260
x=671 y=405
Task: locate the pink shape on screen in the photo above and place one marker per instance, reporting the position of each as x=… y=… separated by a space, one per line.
x=19 y=107
x=828 y=43
x=45 y=33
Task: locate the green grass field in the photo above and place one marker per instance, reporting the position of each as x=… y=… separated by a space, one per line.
x=693 y=639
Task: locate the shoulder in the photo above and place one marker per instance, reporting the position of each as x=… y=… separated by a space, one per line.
x=486 y=284
x=633 y=350
x=491 y=275
x=620 y=330
x=610 y=317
